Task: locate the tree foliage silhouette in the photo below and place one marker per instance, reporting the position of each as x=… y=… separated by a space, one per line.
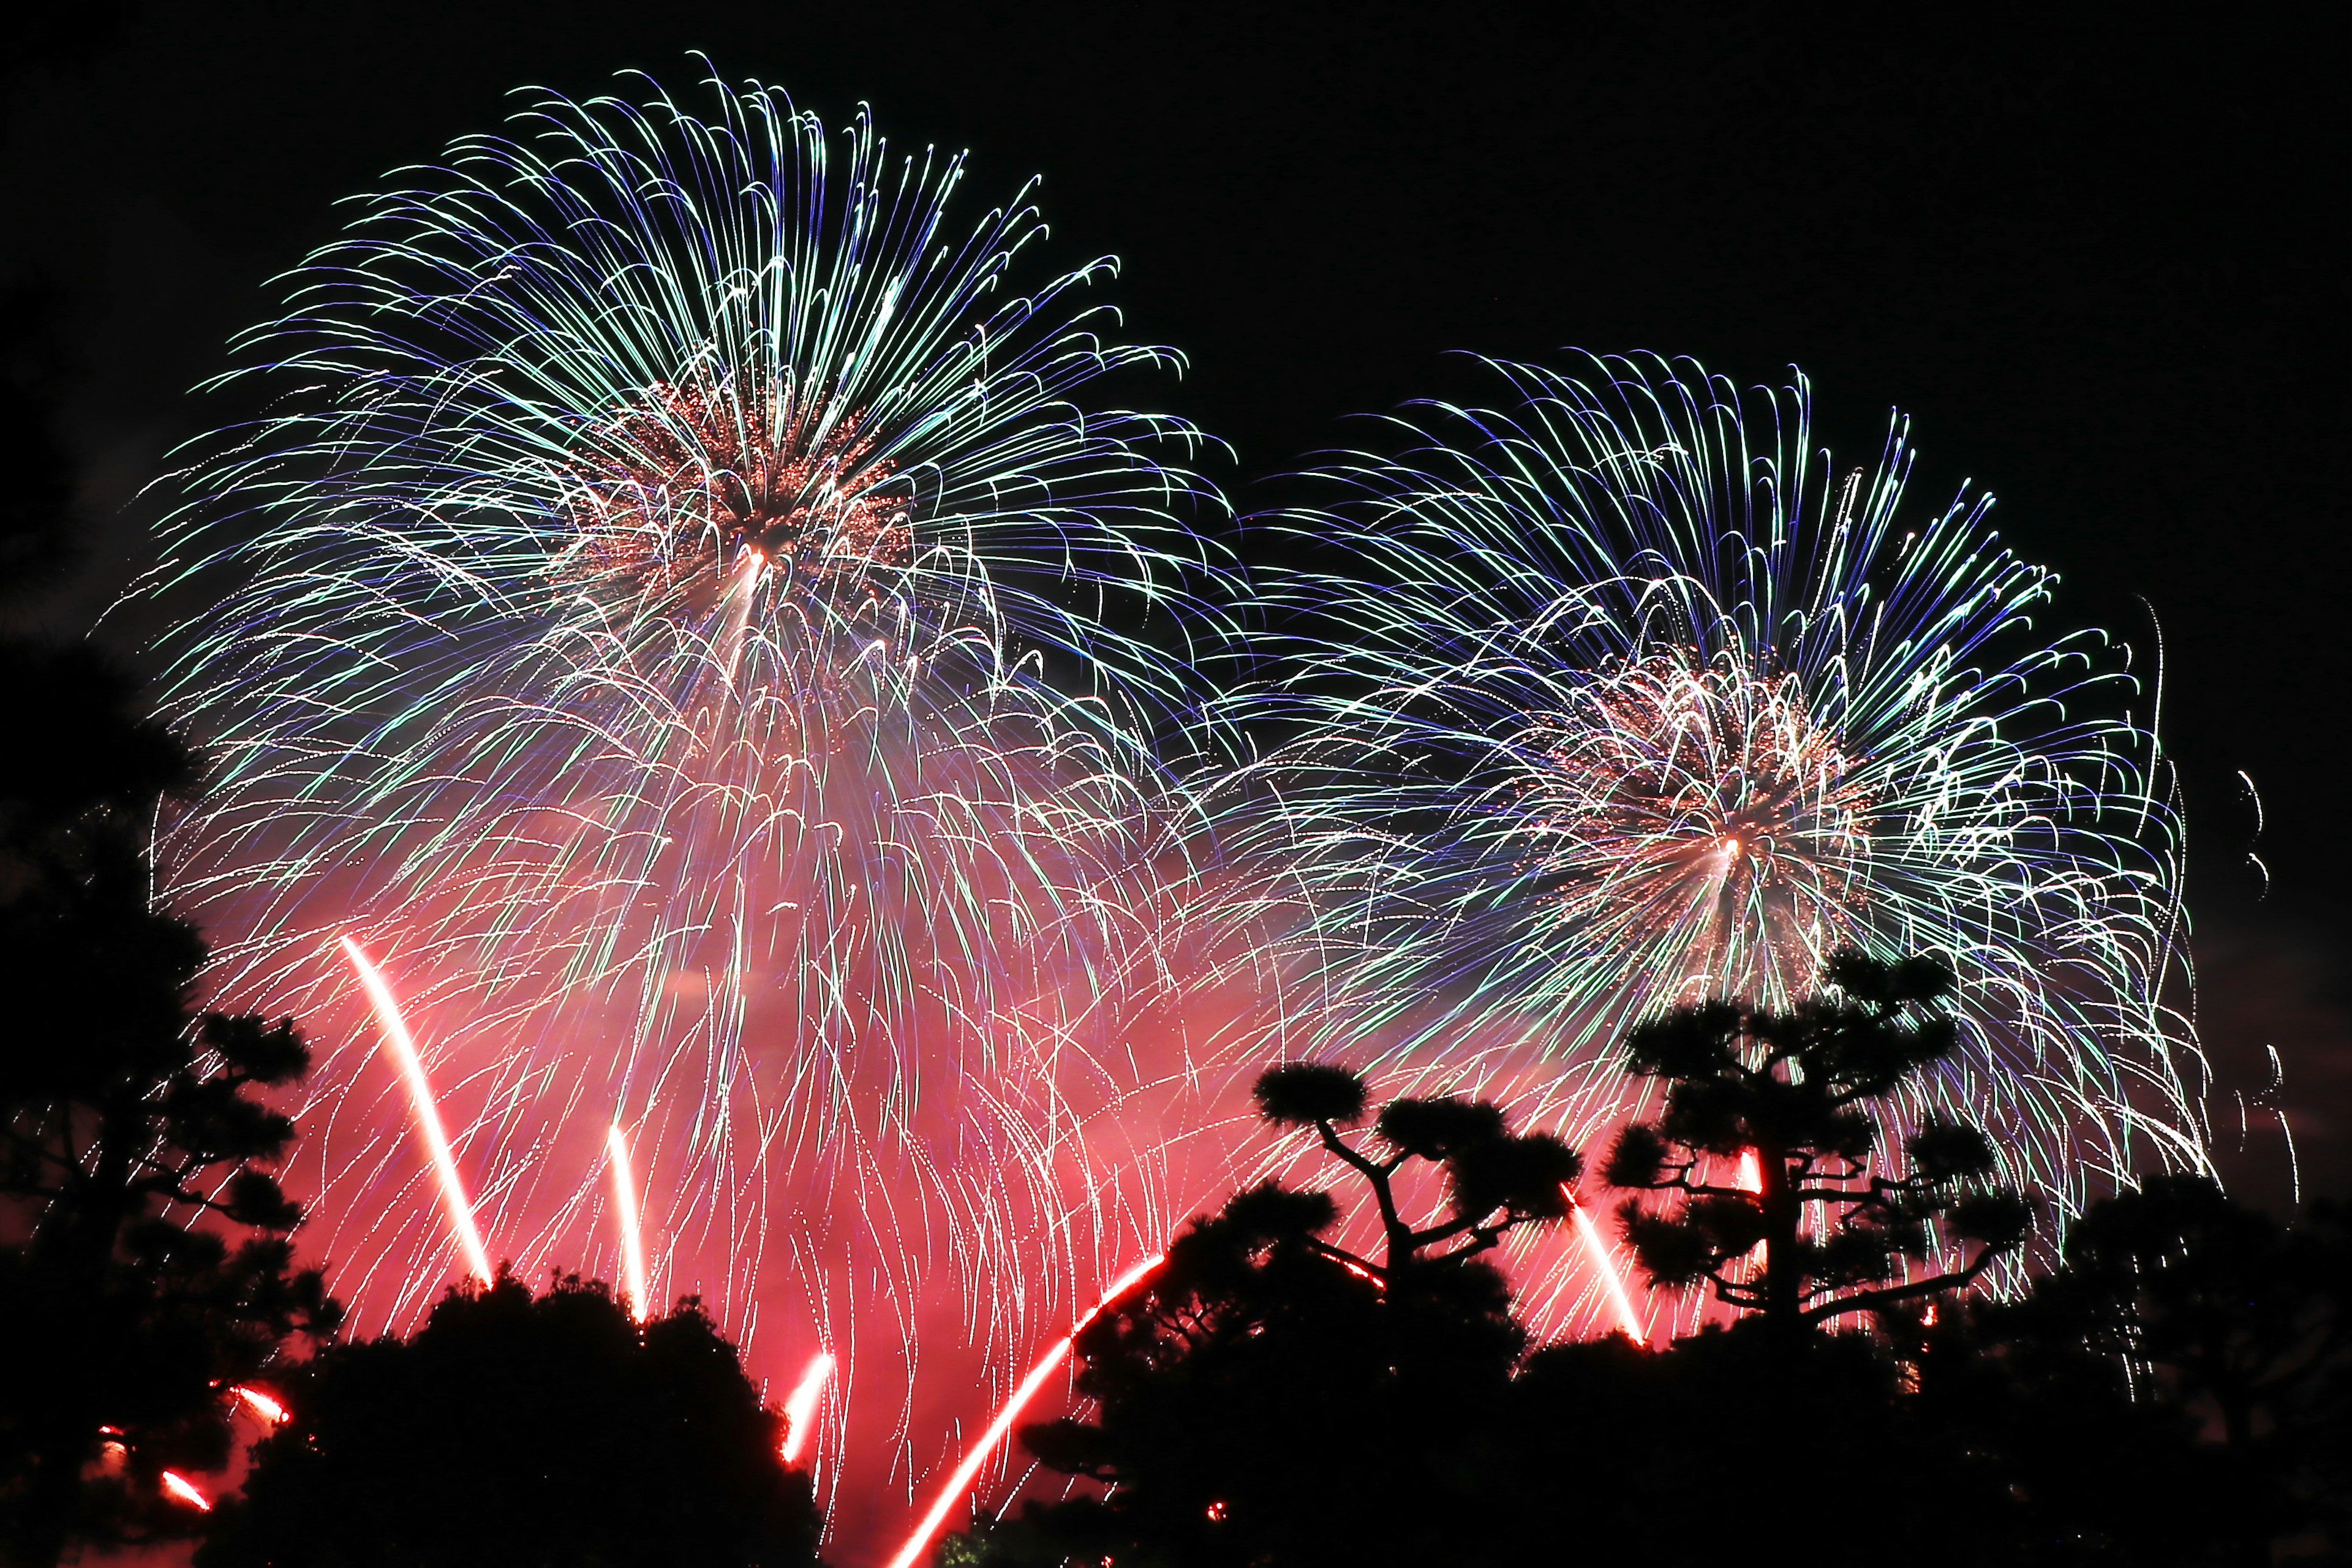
x=2180 y=1390
x=1740 y=1446
x=2174 y=1393
x=515 y=1429
x=1823 y=1233
x=143 y=1259
x=1271 y=1395
x=1494 y=1180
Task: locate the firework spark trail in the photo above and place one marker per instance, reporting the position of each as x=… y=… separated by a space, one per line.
x=180 y=1487
x=270 y=1409
x=800 y=1410
x=1629 y=696
x=1597 y=1248
x=625 y=1204
x=428 y=1117
x=961 y=1480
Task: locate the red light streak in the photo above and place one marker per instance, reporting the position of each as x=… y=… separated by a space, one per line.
x=960 y=1482
x=180 y=1487
x=1749 y=1177
x=633 y=1246
x=428 y=1118
x=800 y=1410
x=270 y=1409
x=1598 y=1250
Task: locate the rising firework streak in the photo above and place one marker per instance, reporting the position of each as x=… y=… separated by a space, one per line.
x=800 y=1410
x=268 y=1408
x=961 y=1481
x=459 y=1208
x=633 y=1242
x=180 y=1487
x=1596 y=1249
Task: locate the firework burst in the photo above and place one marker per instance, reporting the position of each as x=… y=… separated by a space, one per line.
x=1630 y=697
x=686 y=609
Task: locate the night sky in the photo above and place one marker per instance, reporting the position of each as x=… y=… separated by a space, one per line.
x=2094 y=265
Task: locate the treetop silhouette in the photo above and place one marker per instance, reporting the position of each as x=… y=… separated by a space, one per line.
x=1495 y=1180
x=1270 y=1394
x=1794 y=1090
x=517 y=1428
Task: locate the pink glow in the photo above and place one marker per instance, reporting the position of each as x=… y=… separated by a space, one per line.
x=633 y=1245
x=428 y=1118
x=960 y=1482
x=1749 y=1178
x=800 y=1410
x=180 y=1487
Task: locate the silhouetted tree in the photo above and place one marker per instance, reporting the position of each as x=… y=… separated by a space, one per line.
x=2177 y=1390
x=1271 y=1396
x=1740 y=1446
x=1793 y=1089
x=1494 y=1179
x=143 y=1259
x=515 y=1429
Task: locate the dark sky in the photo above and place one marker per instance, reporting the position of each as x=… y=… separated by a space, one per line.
x=2093 y=259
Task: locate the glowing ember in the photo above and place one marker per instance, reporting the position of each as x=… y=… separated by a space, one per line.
x=180 y=1487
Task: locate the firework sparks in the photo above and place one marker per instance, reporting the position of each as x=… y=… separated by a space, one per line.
x=732 y=696
x=1635 y=701
x=1698 y=819
x=729 y=686
x=459 y=1208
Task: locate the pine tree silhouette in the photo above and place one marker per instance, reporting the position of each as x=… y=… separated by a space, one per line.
x=1271 y=1395
x=1823 y=1233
